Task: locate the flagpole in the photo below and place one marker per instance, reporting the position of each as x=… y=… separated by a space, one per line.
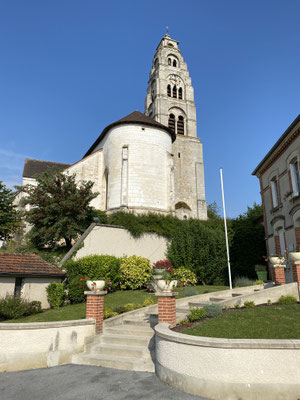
x=225 y=225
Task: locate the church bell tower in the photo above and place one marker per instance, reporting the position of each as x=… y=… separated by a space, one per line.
x=170 y=101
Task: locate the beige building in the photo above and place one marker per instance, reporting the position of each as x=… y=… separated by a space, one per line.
x=148 y=162
x=279 y=178
x=27 y=275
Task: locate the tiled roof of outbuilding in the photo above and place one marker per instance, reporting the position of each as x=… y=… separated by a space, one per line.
x=26 y=264
x=134 y=118
x=34 y=167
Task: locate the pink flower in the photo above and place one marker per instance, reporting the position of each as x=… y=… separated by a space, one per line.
x=92 y=284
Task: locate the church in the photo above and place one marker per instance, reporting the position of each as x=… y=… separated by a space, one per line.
x=151 y=162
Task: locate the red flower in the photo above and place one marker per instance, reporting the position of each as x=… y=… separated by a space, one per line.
x=86 y=277
x=92 y=284
x=81 y=279
x=76 y=281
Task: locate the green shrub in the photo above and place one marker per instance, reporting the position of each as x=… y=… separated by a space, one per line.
x=249 y=304
x=108 y=313
x=56 y=294
x=95 y=267
x=287 y=300
x=212 y=309
x=135 y=272
x=76 y=289
x=237 y=306
x=190 y=291
x=148 y=302
x=127 y=307
x=196 y=314
x=184 y=276
x=258 y=282
x=241 y=281
x=15 y=307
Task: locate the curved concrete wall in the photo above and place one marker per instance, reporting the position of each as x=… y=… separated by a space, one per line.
x=228 y=369
x=42 y=344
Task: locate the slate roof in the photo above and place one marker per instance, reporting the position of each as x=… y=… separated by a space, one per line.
x=27 y=264
x=134 y=118
x=34 y=167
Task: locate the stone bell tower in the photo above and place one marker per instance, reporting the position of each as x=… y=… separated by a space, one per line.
x=170 y=101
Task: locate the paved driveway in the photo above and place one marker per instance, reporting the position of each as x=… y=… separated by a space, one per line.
x=72 y=382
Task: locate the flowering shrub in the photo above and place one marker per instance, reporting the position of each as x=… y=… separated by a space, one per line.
x=185 y=276
x=135 y=272
x=76 y=289
x=15 y=307
x=163 y=264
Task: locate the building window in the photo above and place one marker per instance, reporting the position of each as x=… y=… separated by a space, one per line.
x=171 y=123
x=180 y=125
x=175 y=91
x=169 y=61
x=294 y=169
x=174 y=63
x=169 y=90
x=274 y=190
x=18 y=287
x=180 y=93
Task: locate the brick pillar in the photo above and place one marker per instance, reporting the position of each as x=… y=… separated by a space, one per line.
x=296 y=273
x=279 y=275
x=95 y=307
x=167 y=307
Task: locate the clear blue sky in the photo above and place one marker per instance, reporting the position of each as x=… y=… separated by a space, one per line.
x=68 y=68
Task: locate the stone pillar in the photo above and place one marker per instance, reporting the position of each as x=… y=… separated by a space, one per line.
x=296 y=273
x=167 y=307
x=279 y=275
x=95 y=307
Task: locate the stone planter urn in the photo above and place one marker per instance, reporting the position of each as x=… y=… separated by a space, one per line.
x=95 y=285
x=295 y=256
x=165 y=285
x=276 y=260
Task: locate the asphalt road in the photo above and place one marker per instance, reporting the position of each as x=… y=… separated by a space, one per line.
x=72 y=382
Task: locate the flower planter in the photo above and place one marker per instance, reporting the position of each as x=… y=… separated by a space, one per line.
x=276 y=260
x=165 y=285
x=295 y=256
x=95 y=285
x=262 y=275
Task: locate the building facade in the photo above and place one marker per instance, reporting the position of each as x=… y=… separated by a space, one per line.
x=279 y=178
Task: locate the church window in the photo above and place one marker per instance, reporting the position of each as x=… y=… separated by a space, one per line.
x=180 y=126
x=169 y=61
x=180 y=93
x=169 y=90
x=171 y=123
x=174 y=63
x=178 y=155
x=175 y=91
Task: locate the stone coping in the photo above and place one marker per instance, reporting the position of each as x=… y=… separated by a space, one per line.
x=163 y=330
x=46 y=325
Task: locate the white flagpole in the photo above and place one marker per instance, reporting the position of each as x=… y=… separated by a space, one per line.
x=226 y=236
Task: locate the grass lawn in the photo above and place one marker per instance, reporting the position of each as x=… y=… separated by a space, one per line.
x=111 y=300
x=269 y=322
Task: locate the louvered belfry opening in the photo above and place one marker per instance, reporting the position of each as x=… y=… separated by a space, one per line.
x=169 y=90
x=171 y=123
x=180 y=93
x=180 y=126
x=174 y=63
x=175 y=91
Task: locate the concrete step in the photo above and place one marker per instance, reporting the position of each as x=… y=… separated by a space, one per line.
x=195 y=304
x=236 y=294
x=216 y=299
x=109 y=361
x=137 y=330
x=129 y=340
x=119 y=350
x=137 y=322
x=182 y=310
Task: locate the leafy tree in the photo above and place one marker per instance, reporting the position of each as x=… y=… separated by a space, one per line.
x=213 y=211
x=10 y=221
x=59 y=209
x=248 y=244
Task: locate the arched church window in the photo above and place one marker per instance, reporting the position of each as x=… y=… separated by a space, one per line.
x=174 y=63
x=169 y=61
x=175 y=91
x=171 y=123
x=180 y=125
x=180 y=93
x=169 y=90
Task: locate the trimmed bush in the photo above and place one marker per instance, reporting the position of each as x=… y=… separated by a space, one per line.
x=108 y=313
x=15 y=307
x=76 y=289
x=148 y=302
x=196 y=314
x=184 y=276
x=241 y=281
x=190 y=291
x=212 y=309
x=135 y=272
x=56 y=294
x=287 y=300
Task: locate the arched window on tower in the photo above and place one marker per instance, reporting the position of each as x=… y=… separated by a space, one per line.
x=180 y=93
x=175 y=91
x=174 y=63
x=169 y=61
x=180 y=125
x=171 y=123
x=169 y=91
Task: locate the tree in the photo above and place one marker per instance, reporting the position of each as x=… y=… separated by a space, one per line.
x=248 y=244
x=10 y=221
x=213 y=211
x=59 y=209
